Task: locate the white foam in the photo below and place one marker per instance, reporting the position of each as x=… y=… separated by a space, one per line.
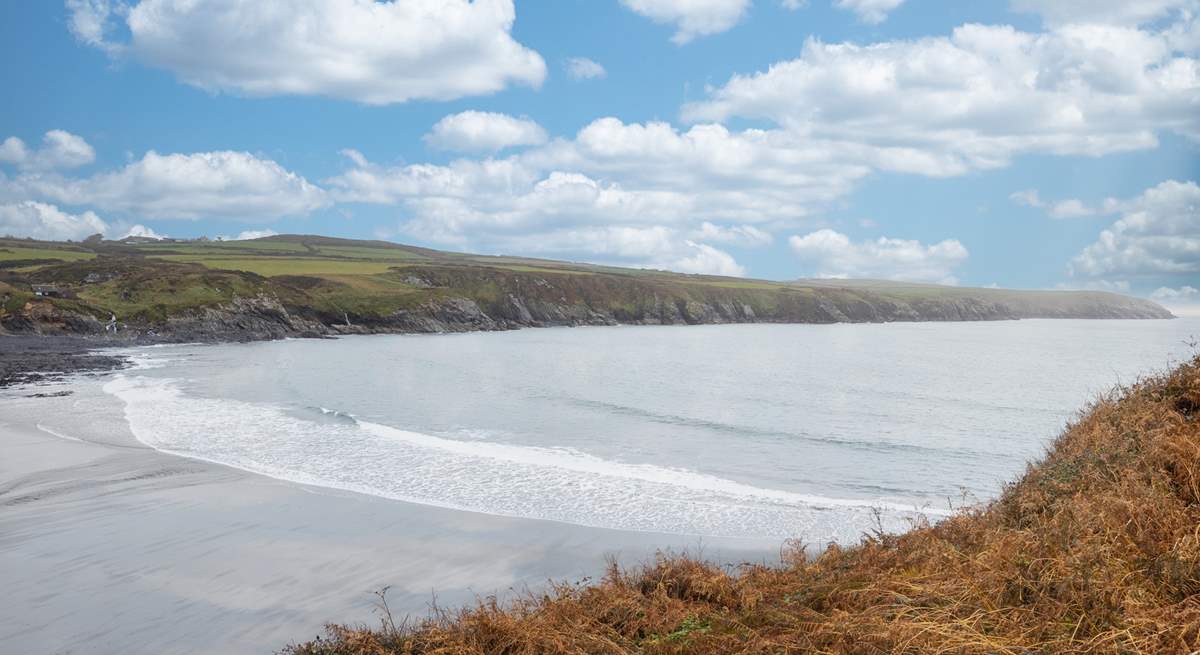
x=496 y=478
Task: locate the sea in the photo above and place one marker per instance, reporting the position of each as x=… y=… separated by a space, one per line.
x=812 y=432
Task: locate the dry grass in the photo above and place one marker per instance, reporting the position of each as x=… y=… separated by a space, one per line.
x=1095 y=550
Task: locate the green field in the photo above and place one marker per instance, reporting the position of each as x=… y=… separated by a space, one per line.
x=273 y=266
x=16 y=253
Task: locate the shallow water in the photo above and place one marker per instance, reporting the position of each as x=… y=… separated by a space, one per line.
x=740 y=430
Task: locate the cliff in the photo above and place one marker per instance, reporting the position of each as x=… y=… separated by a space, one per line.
x=316 y=286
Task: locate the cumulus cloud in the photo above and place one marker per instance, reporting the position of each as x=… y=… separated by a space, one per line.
x=47 y=222
x=1027 y=198
x=708 y=260
x=60 y=149
x=1069 y=208
x=89 y=20
x=1184 y=293
x=975 y=99
x=1183 y=301
x=140 y=231
x=246 y=235
x=1158 y=234
x=871 y=12
x=482 y=131
x=691 y=18
x=361 y=50
x=656 y=247
x=582 y=68
x=1072 y=208
x=530 y=203
x=221 y=184
x=613 y=173
x=832 y=254
x=1112 y=286
x=1120 y=12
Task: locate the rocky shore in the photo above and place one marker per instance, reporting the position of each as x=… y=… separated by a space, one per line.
x=35 y=359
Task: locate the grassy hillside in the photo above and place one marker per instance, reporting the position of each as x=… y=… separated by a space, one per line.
x=288 y=285
x=1095 y=550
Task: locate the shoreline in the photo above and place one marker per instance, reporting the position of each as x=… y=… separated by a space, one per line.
x=37 y=357
x=193 y=556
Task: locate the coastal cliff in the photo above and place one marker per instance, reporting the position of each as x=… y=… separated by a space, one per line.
x=323 y=287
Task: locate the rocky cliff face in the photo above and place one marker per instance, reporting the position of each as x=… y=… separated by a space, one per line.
x=480 y=299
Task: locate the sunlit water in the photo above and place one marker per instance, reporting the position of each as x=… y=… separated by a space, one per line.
x=743 y=430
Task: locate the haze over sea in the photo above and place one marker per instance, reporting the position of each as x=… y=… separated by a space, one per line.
x=760 y=431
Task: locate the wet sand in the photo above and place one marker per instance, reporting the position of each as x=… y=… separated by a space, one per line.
x=107 y=546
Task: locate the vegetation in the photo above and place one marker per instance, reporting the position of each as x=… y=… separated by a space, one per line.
x=322 y=285
x=1095 y=550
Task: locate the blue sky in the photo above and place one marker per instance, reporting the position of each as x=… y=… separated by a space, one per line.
x=1032 y=143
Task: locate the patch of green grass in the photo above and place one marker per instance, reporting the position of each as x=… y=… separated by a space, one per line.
x=374 y=254
x=11 y=253
x=272 y=266
x=224 y=248
x=157 y=298
x=537 y=269
x=690 y=626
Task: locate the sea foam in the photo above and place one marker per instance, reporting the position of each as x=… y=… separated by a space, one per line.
x=559 y=484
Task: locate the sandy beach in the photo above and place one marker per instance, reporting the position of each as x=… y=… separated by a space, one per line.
x=109 y=546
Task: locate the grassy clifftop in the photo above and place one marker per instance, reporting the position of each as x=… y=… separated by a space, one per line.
x=1095 y=550
x=293 y=285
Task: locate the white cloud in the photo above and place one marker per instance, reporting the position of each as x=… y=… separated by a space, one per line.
x=1072 y=208
x=975 y=99
x=872 y=12
x=1112 y=286
x=707 y=260
x=89 y=20
x=1121 y=12
x=141 y=231
x=362 y=50
x=612 y=173
x=934 y=106
x=1027 y=198
x=47 y=222
x=60 y=149
x=13 y=151
x=692 y=18
x=1158 y=234
x=832 y=254
x=246 y=235
x=657 y=247
x=793 y=5
x=743 y=235
x=1069 y=208
x=1183 y=301
x=482 y=131
x=223 y=184
x=582 y=68
x=1184 y=293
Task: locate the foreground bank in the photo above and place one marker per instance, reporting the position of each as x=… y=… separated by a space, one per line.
x=303 y=286
x=1094 y=550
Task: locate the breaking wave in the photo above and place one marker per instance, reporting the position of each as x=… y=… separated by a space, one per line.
x=329 y=448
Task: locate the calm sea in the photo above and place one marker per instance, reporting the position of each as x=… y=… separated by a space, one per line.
x=804 y=431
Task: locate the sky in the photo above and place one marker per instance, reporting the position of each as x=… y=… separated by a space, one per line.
x=1015 y=143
